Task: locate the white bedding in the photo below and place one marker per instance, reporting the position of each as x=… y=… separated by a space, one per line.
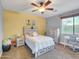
x=39 y=42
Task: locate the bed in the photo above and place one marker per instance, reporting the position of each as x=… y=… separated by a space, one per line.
x=39 y=44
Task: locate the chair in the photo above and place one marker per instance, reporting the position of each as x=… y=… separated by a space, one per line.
x=73 y=42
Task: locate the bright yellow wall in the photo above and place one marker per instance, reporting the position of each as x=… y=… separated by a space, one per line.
x=14 y=22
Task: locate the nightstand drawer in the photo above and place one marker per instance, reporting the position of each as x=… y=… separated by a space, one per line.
x=20 y=42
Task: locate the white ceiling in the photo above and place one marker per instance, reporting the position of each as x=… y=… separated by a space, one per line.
x=60 y=6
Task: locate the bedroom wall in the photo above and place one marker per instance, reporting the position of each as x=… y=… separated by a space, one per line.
x=14 y=22
x=53 y=24
x=1 y=28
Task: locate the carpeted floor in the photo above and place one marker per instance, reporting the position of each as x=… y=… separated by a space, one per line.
x=24 y=53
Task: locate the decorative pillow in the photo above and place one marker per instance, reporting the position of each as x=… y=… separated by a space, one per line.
x=31 y=34
x=27 y=35
x=35 y=34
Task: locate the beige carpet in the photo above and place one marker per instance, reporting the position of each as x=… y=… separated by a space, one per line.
x=24 y=53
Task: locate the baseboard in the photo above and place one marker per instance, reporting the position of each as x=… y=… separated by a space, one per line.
x=62 y=43
x=0 y=54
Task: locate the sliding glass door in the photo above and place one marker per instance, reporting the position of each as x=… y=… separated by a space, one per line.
x=70 y=25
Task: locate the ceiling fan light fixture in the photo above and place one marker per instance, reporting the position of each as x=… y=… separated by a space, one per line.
x=41 y=9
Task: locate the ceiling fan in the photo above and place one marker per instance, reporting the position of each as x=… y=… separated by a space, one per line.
x=42 y=6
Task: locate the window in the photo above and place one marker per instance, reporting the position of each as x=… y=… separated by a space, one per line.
x=67 y=25
x=70 y=25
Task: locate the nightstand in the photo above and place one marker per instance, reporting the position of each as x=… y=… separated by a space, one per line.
x=20 y=42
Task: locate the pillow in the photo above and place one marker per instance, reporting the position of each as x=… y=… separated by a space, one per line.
x=35 y=34
x=27 y=35
x=31 y=34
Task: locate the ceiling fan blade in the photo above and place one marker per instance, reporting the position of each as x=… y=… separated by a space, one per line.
x=49 y=8
x=47 y=3
x=34 y=4
x=34 y=10
x=41 y=3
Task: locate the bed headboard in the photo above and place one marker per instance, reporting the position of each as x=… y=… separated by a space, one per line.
x=30 y=31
